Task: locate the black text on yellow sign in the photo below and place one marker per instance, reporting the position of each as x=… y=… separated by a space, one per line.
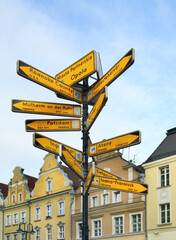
x=97 y=108
x=49 y=125
x=112 y=74
x=79 y=70
x=71 y=162
x=46 y=108
x=116 y=143
x=104 y=173
x=43 y=79
x=122 y=185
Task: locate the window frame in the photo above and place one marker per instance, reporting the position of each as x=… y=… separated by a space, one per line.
x=47 y=233
x=48 y=211
x=21 y=218
x=102 y=198
x=165 y=176
x=37 y=236
x=114 y=197
x=96 y=202
x=165 y=213
x=36 y=213
x=15 y=221
x=78 y=230
x=114 y=226
x=60 y=209
x=61 y=230
x=98 y=229
x=131 y=222
x=8 y=224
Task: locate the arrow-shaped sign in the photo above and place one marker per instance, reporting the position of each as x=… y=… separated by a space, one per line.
x=112 y=74
x=81 y=69
x=119 y=142
x=122 y=185
x=97 y=108
x=53 y=146
x=43 y=79
x=71 y=162
x=103 y=173
x=49 y=125
x=46 y=108
x=90 y=177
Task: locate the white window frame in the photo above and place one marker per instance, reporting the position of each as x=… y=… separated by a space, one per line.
x=166 y=213
x=47 y=236
x=19 y=197
x=78 y=230
x=164 y=175
x=8 y=223
x=13 y=236
x=61 y=209
x=131 y=222
x=98 y=228
x=92 y=201
x=21 y=216
x=114 y=197
x=7 y=237
x=102 y=198
x=15 y=221
x=37 y=215
x=48 y=212
x=61 y=230
x=49 y=185
x=23 y=236
x=37 y=236
x=113 y=224
x=13 y=198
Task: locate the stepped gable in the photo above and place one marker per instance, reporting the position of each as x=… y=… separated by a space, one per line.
x=4 y=189
x=72 y=176
x=167 y=147
x=31 y=182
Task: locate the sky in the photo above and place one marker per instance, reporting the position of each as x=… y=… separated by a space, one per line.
x=51 y=35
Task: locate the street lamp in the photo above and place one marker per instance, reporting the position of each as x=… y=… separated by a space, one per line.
x=20 y=230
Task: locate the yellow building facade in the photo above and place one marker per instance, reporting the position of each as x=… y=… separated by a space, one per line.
x=160 y=169
x=112 y=214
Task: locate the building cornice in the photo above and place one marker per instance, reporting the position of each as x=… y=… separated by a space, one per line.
x=159 y=162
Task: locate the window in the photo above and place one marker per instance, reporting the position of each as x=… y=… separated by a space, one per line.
x=105 y=199
x=116 y=197
x=23 y=236
x=13 y=198
x=37 y=234
x=37 y=213
x=61 y=231
x=118 y=225
x=97 y=228
x=49 y=185
x=79 y=230
x=94 y=201
x=15 y=236
x=136 y=222
x=165 y=213
x=23 y=217
x=8 y=220
x=48 y=210
x=8 y=237
x=49 y=233
x=20 y=197
x=61 y=208
x=15 y=218
x=164 y=174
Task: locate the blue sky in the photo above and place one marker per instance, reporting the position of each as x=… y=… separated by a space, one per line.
x=51 y=35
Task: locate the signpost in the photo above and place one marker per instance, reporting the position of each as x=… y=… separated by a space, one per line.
x=46 y=108
x=43 y=79
x=97 y=108
x=53 y=146
x=49 y=125
x=112 y=74
x=122 y=185
x=65 y=86
x=71 y=162
x=81 y=69
x=119 y=142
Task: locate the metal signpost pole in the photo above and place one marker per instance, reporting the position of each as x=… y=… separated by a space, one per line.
x=85 y=227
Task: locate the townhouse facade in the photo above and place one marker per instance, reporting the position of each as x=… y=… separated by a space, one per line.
x=160 y=175
x=3 y=195
x=113 y=214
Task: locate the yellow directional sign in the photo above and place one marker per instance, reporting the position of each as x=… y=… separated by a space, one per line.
x=112 y=74
x=122 y=185
x=90 y=177
x=79 y=70
x=53 y=146
x=57 y=109
x=103 y=173
x=71 y=162
x=49 y=125
x=43 y=79
x=119 y=142
x=97 y=108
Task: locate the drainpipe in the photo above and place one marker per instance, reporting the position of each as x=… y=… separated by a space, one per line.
x=72 y=194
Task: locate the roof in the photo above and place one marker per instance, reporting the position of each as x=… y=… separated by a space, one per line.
x=31 y=182
x=4 y=189
x=166 y=148
x=72 y=176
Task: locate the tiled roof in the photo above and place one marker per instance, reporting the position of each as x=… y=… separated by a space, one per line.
x=72 y=176
x=166 y=148
x=4 y=189
x=31 y=182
